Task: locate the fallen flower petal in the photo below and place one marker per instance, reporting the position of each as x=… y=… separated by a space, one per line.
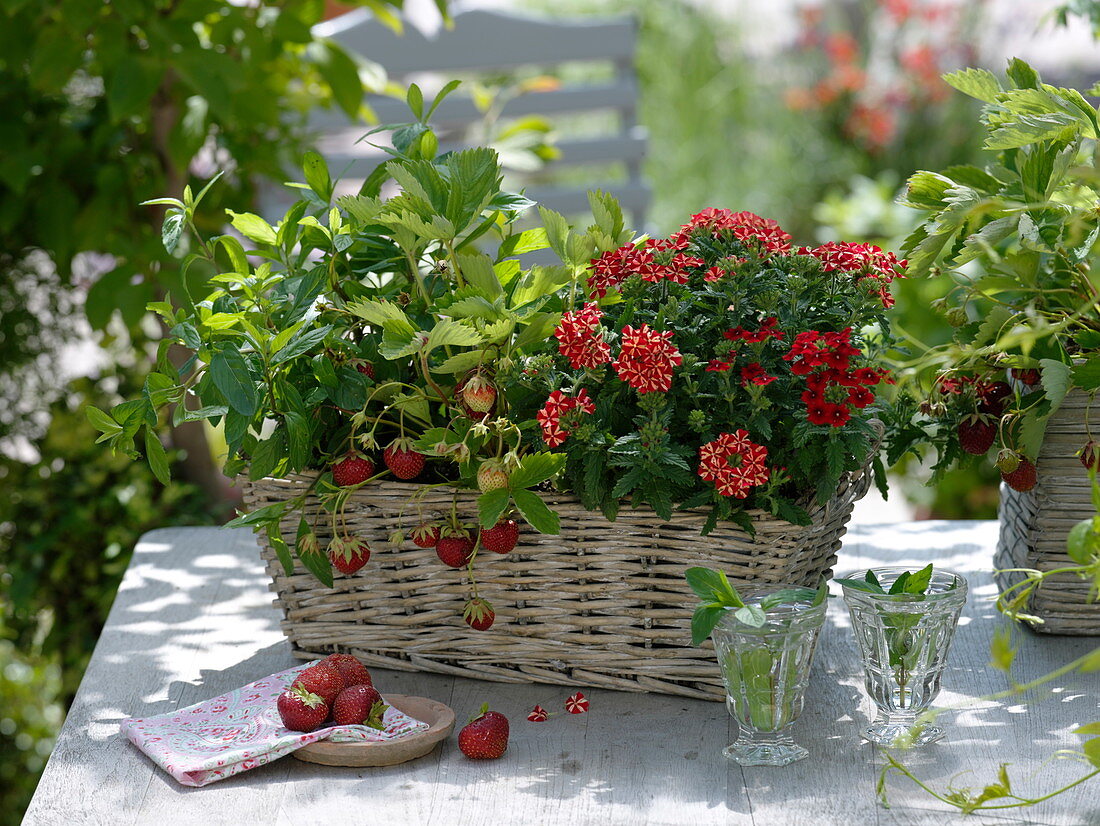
x=576 y=704
x=538 y=715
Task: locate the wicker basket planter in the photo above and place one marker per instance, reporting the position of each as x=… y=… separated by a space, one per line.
x=1035 y=525
x=604 y=604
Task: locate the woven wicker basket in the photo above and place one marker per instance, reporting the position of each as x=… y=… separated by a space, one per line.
x=603 y=604
x=1035 y=525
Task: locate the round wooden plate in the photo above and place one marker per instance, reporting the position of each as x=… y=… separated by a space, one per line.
x=439 y=717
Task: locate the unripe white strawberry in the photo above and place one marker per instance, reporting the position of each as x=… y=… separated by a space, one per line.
x=491 y=476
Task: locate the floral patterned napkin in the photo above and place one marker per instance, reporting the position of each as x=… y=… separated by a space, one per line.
x=241 y=730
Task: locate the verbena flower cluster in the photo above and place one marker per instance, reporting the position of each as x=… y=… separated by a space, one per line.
x=720 y=366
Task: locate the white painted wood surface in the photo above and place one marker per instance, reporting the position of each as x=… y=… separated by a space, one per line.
x=194 y=619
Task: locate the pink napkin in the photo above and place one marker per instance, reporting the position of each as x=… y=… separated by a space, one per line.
x=241 y=730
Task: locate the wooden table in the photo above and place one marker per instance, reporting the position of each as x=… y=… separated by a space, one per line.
x=194 y=619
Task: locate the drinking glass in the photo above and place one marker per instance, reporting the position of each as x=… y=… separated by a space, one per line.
x=903 y=640
x=765 y=670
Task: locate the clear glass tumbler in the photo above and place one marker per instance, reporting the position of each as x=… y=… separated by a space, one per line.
x=903 y=640
x=765 y=670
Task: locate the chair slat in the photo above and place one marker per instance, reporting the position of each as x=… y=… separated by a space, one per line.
x=483 y=39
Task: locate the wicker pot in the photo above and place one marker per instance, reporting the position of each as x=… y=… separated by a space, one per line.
x=1035 y=525
x=603 y=604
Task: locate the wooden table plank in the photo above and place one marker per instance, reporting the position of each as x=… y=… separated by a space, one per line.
x=194 y=619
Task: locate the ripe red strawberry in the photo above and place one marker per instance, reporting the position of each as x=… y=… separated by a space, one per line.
x=366 y=368
x=479 y=394
x=402 y=459
x=502 y=537
x=994 y=398
x=485 y=737
x=353 y=671
x=976 y=433
x=425 y=536
x=352 y=469
x=322 y=680
x=455 y=547
x=1023 y=478
x=479 y=614
x=491 y=475
x=301 y=710
x=359 y=705
x=348 y=553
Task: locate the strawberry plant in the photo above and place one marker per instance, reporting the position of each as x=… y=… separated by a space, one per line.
x=1018 y=237
x=357 y=338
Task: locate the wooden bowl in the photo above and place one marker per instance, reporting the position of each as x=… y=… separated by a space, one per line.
x=439 y=717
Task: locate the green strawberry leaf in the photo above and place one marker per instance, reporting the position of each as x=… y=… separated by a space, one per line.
x=534 y=510
x=491 y=506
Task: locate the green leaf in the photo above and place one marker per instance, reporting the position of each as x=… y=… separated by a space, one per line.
x=536 y=468
x=300 y=440
x=101 y=421
x=751 y=615
x=317 y=175
x=1088 y=728
x=1082 y=543
x=461 y=362
x=237 y=256
x=1001 y=650
x=448 y=333
x=491 y=506
x=1091 y=750
x=712 y=586
x=231 y=376
x=1055 y=377
x=415 y=98
x=377 y=312
x=261 y=516
x=342 y=76
x=918 y=582
x=978 y=83
x=535 y=511
x=860 y=585
x=252 y=227
x=157 y=458
x=275 y=537
x=899 y=584
x=703 y=621
x=557 y=231
x=1086 y=375
x=527 y=241
x=267 y=455
x=171 y=229
x=301 y=344
x=538 y=330
x=318 y=564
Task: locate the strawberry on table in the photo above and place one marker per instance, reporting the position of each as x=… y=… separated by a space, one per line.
x=350 y=668
x=359 y=705
x=502 y=537
x=301 y=710
x=322 y=680
x=485 y=737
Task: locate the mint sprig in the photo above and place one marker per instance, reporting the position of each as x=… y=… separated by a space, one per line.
x=719 y=596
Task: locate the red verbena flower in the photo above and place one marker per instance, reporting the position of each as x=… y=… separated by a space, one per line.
x=607 y=271
x=733 y=463
x=860 y=261
x=751 y=230
x=754 y=373
x=768 y=329
x=559 y=415
x=646 y=359
x=580 y=338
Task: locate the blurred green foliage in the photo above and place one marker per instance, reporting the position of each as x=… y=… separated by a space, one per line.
x=68 y=524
